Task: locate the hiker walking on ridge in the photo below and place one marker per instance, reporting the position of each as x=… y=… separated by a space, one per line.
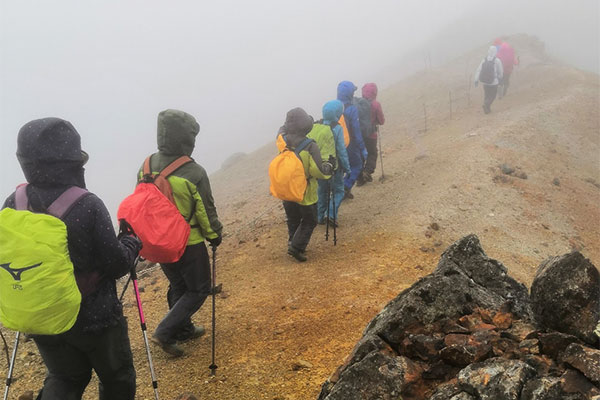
x=369 y=92
x=49 y=151
x=302 y=215
x=489 y=73
x=357 y=153
x=189 y=277
x=332 y=111
x=506 y=54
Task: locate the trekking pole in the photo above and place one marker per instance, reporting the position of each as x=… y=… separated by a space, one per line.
x=12 y=366
x=133 y=278
x=213 y=367
x=124 y=289
x=328 y=208
x=334 y=217
x=382 y=178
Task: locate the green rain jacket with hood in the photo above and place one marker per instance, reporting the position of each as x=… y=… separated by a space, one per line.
x=176 y=137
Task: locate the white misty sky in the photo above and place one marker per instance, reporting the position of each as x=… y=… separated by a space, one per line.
x=110 y=66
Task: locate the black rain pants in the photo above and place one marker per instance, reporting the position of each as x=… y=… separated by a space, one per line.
x=371 y=145
x=71 y=356
x=189 y=286
x=301 y=221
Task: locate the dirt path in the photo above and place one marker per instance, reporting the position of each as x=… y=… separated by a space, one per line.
x=275 y=313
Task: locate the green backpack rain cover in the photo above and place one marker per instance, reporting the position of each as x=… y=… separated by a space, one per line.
x=323 y=135
x=38 y=291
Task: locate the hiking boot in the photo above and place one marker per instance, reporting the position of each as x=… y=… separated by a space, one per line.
x=360 y=180
x=297 y=254
x=367 y=176
x=348 y=194
x=170 y=348
x=191 y=334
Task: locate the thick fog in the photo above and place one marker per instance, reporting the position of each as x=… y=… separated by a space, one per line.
x=109 y=67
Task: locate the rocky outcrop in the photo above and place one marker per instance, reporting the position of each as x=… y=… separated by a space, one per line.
x=565 y=296
x=466 y=331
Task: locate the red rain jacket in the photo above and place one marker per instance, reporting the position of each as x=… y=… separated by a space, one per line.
x=369 y=92
x=506 y=54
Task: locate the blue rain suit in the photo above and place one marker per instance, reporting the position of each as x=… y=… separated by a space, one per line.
x=356 y=148
x=332 y=111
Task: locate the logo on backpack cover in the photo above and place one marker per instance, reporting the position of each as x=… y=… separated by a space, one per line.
x=16 y=272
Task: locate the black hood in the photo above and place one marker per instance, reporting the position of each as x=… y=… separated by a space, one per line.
x=177 y=131
x=49 y=151
x=297 y=122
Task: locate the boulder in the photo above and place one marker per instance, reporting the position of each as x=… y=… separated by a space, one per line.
x=574 y=382
x=446 y=391
x=495 y=378
x=565 y=296
x=467 y=256
x=553 y=343
x=433 y=298
x=378 y=376
x=584 y=359
x=465 y=279
x=548 y=388
x=468 y=331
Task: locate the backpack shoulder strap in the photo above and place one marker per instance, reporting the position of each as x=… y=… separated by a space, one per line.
x=169 y=169
x=146 y=170
x=63 y=204
x=21 y=200
x=303 y=145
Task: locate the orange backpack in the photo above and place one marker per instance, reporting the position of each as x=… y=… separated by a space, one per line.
x=342 y=123
x=286 y=172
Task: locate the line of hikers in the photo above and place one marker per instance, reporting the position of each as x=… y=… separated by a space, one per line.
x=320 y=162
x=494 y=72
x=60 y=256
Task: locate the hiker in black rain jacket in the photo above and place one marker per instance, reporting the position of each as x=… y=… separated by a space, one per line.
x=49 y=151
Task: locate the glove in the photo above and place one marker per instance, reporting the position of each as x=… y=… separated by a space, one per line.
x=216 y=241
x=332 y=161
x=327 y=168
x=133 y=243
x=125 y=229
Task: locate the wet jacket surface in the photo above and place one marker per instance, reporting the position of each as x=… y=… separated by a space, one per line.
x=506 y=54
x=332 y=112
x=98 y=256
x=345 y=94
x=369 y=92
x=176 y=137
x=297 y=125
